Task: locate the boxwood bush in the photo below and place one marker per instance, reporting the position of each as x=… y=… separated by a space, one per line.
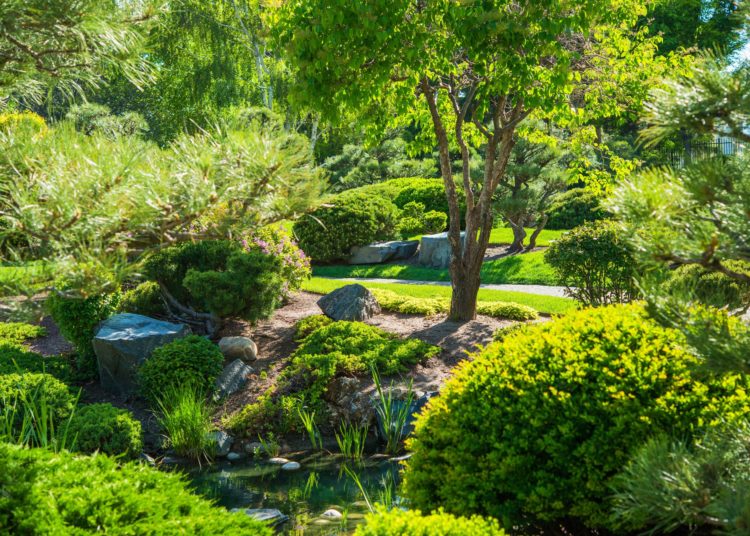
x=105 y=428
x=535 y=427
x=575 y=207
x=192 y=360
x=349 y=219
x=412 y=523
x=144 y=299
x=46 y=493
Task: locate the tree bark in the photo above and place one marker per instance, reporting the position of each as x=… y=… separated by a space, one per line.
x=539 y=228
x=519 y=235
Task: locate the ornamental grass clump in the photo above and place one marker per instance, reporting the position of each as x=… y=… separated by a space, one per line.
x=185 y=416
x=533 y=430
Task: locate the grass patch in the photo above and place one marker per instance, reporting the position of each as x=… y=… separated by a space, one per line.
x=504 y=235
x=543 y=304
x=524 y=269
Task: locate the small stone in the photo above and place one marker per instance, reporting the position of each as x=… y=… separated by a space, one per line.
x=332 y=514
x=350 y=302
x=232 y=378
x=239 y=348
x=254 y=447
x=234 y=456
x=223 y=442
x=278 y=461
x=271 y=516
x=170 y=460
x=147 y=459
x=291 y=466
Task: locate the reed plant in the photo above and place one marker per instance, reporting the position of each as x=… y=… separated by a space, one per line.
x=311 y=427
x=351 y=440
x=393 y=412
x=29 y=420
x=185 y=417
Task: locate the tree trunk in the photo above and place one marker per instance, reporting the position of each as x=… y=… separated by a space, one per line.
x=539 y=228
x=519 y=235
x=465 y=284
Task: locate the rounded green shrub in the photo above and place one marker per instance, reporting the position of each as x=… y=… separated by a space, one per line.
x=535 y=427
x=277 y=241
x=47 y=493
x=575 y=207
x=350 y=219
x=105 y=428
x=30 y=390
x=398 y=522
x=145 y=299
x=595 y=262
x=14 y=358
x=192 y=360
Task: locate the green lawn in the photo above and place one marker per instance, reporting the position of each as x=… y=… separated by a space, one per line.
x=543 y=304
x=526 y=268
x=504 y=235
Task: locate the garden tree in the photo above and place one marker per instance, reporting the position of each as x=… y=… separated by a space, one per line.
x=68 y=45
x=98 y=204
x=472 y=71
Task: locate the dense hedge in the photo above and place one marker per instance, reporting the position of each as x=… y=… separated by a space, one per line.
x=46 y=493
x=575 y=207
x=429 y=192
x=192 y=360
x=535 y=427
x=105 y=428
x=398 y=522
x=350 y=219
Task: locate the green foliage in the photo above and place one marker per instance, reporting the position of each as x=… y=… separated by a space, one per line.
x=145 y=299
x=46 y=493
x=107 y=429
x=709 y=480
x=393 y=415
x=574 y=208
x=186 y=418
x=349 y=219
x=220 y=277
x=415 y=221
x=89 y=118
x=14 y=358
x=399 y=522
x=78 y=318
x=711 y=288
x=18 y=332
x=534 y=428
x=351 y=440
x=190 y=361
x=595 y=262
x=307 y=325
x=311 y=427
x=30 y=389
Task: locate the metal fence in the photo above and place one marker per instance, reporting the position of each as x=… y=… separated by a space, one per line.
x=692 y=151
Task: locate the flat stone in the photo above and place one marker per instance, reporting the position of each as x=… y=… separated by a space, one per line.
x=223 y=442
x=383 y=252
x=234 y=456
x=435 y=250
x=239 y=348
x=124 y=341
x=332 y=513
x=271 y=516
x=278 y=461
x=350 y=302
x=232 y=378
x=291 y=466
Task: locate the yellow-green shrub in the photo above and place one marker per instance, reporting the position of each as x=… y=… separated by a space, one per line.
x=18 y=332
x=535 y=427
x=413 y=523
x=105 y=428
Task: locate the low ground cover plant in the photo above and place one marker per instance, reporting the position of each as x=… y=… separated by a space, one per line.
x=107 y=429
x=48 y=493
x=190 y=361
x=15 y=358
x=19 y=332
x=399 y=522
x=534 y=429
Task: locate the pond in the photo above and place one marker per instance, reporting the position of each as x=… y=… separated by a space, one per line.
x=321 y=484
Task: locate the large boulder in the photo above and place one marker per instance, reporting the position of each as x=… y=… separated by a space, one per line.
x=383 y=252
x=346 y=403
x=124 y=341
x=232 y=378
x=435 y=250
x=239 y=348
x=351 y=302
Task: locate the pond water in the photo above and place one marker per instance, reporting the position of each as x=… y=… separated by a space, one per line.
x=304 y=494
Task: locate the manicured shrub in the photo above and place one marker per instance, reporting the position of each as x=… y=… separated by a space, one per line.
x=534 y=428
x=185 y=416
x=414 y=220
x=277 y=241
x=307 y=325
x=574 y=208
x=14 y=359
x=398 y=522
x=18 y=332
x=105 y=428
x=429 y=192
x=595 y=262
x=709 y=287
x=192 y=360
x=47 y=493
x=78 y=319
x=349 y=219
x=145 y=299
x=15 y=389
x=220 y=277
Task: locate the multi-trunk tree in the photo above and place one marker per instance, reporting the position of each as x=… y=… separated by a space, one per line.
x=466 y=72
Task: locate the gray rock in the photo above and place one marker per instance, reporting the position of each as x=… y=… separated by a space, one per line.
x=254 y=447
x=145 y=458
x=269 y=515
x=291 y=466
x=383 y=251
x=234 y=456
x=239 y=348
x=350 y=302
x=233 y=378
x=124 y=341
x=332 y=513
x=223 y=442
x=278 y=461
x=435 y=250
x=347 y=404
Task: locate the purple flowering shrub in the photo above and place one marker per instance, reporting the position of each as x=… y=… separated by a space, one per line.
x=278 y=242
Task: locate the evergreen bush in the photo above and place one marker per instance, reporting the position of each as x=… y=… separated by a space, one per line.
x=18 y=389
x=398 y=522
x=105 y=428
x=14 y=358
x=575 y=207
